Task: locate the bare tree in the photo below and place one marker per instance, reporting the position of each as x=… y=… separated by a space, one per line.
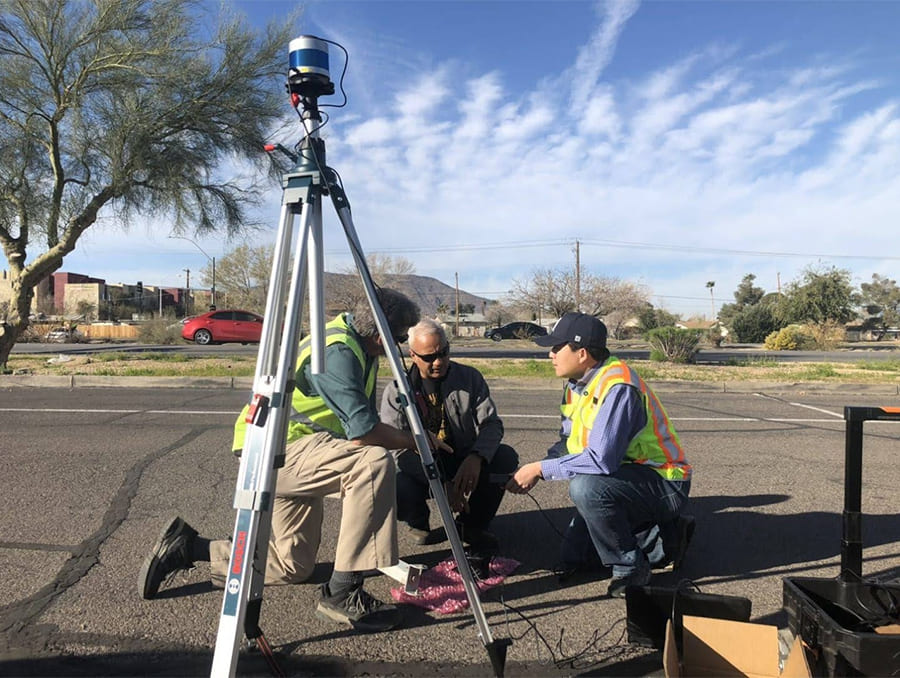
x=547 y=292
x=552 y=291
x=242 y=276
x=344 y=290
x=124 y=107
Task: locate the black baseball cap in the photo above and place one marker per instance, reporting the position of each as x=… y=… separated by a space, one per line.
x=579 y=328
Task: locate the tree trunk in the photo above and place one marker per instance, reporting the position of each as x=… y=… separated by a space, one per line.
x=16 y=321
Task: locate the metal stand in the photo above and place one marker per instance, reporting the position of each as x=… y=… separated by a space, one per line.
x=303 y=189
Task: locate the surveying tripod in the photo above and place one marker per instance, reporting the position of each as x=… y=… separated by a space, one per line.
x=267 y=418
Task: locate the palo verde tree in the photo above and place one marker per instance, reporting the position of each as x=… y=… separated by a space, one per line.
x=119 y=108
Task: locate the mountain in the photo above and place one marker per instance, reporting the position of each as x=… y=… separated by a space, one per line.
x=429 y=293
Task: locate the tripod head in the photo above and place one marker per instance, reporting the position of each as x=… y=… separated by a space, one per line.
x=308 y=75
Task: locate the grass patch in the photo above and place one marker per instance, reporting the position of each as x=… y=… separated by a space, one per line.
x=818 y=371
x=880 y=366
x=751 y=362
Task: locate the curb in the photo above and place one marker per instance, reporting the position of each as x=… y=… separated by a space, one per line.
x=506 y=383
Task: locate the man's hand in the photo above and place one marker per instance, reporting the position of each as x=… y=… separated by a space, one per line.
x=525 y=478
x=438 y=444
x=466 y=477
x=457 y=500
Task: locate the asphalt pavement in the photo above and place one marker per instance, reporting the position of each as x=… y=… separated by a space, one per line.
x=93 y=470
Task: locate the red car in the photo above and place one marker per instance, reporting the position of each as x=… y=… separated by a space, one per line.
x=219 y=327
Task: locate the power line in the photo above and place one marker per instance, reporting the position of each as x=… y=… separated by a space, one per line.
x=567 y=242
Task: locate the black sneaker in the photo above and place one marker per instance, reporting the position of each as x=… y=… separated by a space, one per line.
x=477 y=539
x=171 y=553
x=640 y=577
x=358 y=609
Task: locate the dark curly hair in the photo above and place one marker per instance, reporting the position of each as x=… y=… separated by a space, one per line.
x=401 y=313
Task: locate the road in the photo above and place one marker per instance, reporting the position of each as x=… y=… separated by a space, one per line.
x=869 y=352
x=91 y=474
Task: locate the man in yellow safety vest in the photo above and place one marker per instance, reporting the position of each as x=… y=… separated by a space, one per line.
x=336 y=444
x=628 y=475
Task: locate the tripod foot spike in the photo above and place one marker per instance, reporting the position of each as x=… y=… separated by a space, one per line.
x=497 y=652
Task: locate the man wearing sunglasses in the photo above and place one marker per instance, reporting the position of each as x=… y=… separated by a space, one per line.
x=456 y=406
x=628 y=475
x=336 y=443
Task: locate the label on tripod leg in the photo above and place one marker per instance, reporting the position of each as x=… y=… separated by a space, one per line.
x=235 y=577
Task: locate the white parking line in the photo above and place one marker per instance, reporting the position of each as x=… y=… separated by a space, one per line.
x=839 y=415
x=554 y=417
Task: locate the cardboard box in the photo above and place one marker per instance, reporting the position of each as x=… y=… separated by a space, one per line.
x=718 y=647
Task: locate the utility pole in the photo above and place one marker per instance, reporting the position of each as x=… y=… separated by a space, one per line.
x=577 y=276
x=187 y=293
x=457 y=304
x=212 y=292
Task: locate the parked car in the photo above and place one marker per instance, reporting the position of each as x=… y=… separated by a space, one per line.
x=220 y=327
x=64 y=335
x=518 y=330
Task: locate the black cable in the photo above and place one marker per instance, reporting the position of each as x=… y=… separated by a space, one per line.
x=343 y=73
x=546 y=517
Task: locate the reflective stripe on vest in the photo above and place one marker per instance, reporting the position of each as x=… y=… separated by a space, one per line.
x=309 y=413
x=656 y=445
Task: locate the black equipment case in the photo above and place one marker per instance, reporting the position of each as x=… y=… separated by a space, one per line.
x=837 y=618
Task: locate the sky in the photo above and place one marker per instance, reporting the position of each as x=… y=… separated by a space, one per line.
x=677 y=143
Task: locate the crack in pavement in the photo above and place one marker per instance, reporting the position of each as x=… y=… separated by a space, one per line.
x=16 y=617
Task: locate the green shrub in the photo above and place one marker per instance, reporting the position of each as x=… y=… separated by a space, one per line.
x=672 y=344
x=790 y=338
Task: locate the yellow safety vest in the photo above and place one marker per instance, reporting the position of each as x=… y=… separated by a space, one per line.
x=657 y=445
x=309 y=413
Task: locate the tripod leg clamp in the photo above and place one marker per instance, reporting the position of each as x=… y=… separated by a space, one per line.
x=255 y=501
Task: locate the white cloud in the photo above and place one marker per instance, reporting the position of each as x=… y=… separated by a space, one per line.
x=725 y=149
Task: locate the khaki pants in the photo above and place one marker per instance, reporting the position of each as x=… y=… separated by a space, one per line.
x=315 y=466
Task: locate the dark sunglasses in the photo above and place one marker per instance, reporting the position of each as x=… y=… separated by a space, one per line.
x=431 y=357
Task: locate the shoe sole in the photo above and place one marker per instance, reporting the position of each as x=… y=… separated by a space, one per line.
x=328 y=614
x=151 y=559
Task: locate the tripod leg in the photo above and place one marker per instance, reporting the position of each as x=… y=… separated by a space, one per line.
x=496 y=650
x=264 y=445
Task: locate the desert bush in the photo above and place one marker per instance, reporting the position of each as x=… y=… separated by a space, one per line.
x=825 y=335
x=790 y=338
x=672 y=344
x=160 y=331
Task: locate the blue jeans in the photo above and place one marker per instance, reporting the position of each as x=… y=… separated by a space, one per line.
x=630 y=517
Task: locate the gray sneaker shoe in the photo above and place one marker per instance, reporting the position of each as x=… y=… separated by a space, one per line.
x=171 y=553
x=640 y=577
x=358 y=609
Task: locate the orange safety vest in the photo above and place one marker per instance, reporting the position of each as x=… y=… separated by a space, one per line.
x=656 y=445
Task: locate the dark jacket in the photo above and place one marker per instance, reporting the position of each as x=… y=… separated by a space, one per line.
x=471 y=413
